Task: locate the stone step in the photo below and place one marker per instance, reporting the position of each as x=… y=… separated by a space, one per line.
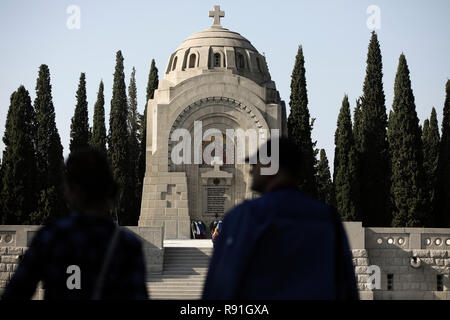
x=181 y=282
x=175 y=297
x=187 y=255
x=175 y=290
x=176 y=276
x=186 y=261
x=172 y=267
x=180 y=258
x=185 y=266
x=203 y=252
x=167 y=284
x=205 y=249
x=185 y=272
x=178 y=279
x=183 y=285
x=182 y=273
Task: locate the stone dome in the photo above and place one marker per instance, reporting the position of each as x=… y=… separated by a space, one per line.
x=216 y=37
x=217 y=50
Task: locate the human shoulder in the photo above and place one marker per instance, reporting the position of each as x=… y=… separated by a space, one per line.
x=129 y=238
x=50 y=230
x=235 y=212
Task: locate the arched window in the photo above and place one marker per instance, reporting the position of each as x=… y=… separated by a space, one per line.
x=217 y=60
x=174 y=65
x=240 y=61
x=192 y=58
x=258 y=64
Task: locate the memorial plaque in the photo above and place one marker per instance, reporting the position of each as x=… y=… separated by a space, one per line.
x=215 y=201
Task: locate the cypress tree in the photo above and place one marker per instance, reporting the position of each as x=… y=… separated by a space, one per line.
x=407 y=180
x=79 y=129
x=98 y=137
x=133 y=143
x=49 y=153
x=152 y=85
x=357 y=125
x=118 y=150
x=299 y=127
x=345 y=175
x=18 y=188
x=374 y=157
x=430 y=141
x=325 y=191
x=443 y=172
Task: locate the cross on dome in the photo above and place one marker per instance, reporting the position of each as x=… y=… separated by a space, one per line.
x=217 y=14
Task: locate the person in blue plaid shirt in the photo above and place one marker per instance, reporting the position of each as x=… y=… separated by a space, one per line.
x=83 y=240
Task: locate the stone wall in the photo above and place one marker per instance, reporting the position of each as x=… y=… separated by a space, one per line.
x=414 y=263
x=15 y=240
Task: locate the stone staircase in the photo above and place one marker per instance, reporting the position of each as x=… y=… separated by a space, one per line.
x=184 y=273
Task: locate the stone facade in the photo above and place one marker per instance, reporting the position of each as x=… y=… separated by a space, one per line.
x=218 y=78
x=414 y=263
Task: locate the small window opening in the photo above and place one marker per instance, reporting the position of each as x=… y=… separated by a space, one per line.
x=174 y=65
x=390 y=282
x=217 y=60
x=440 y=282
x=258 y=64
x=192 y=61
x=240 y=61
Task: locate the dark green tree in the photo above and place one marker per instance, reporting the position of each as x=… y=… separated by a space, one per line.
x=98 y=137
x=408 y=191
x=134 y=148
x=79 y=129
x=118 y=148
x=325 y=190
x=299 y=126
x=357 y=125
x=18 y=188
x=374 y=153
x=430 y=141
x=345 y=175
x=49 y=154
x=443 y=172
x=152 y=85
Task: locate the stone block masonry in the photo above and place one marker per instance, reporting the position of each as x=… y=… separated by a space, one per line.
x=414 y=263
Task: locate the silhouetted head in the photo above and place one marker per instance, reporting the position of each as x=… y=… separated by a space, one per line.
x=284 y=163
x=89 y=182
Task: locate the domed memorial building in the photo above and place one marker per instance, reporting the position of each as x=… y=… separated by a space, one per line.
x=215 y=81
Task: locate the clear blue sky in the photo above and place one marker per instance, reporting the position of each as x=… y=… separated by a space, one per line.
x=334 y=35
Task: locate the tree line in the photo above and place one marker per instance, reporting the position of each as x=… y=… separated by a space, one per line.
x=388 y=171
x=31 y=170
